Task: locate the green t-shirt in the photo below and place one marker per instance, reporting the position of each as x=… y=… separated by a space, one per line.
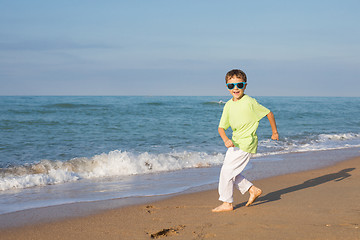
x=243 y=117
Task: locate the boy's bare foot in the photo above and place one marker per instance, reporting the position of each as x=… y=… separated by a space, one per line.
x=223 y=207
x=254 y=194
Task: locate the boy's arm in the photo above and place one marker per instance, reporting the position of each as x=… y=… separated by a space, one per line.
x=275 y=134
x=227 y=141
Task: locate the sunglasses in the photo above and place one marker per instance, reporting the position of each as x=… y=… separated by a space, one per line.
x=240 y=85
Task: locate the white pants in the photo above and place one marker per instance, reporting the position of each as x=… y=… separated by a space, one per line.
x=234 y=163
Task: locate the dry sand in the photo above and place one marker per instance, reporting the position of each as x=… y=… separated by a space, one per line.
x=316 y=204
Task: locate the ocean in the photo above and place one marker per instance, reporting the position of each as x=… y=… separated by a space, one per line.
x=63 y=149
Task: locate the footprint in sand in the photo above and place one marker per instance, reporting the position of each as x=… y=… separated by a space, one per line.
x=149 y=208
x=167 y=232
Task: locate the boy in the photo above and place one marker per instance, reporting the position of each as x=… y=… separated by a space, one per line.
x=242 y=113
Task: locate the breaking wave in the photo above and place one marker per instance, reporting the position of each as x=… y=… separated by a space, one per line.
x=113 y=164
x=319 y=142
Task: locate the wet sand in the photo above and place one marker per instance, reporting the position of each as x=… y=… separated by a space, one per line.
x=316 y=204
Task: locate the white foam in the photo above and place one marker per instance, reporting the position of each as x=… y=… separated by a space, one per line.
x=120 y=163
x=318 y=143
x=220 y=102
x=338 y=137
x=112 y=164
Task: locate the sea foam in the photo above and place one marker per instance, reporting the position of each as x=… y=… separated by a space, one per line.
x=112 y=164
x=319 y=142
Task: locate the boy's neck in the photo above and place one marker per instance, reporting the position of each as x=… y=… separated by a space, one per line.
x=237 y=99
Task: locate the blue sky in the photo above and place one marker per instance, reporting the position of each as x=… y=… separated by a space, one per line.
x=168 y=47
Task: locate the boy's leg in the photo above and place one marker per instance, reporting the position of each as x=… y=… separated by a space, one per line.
x=245 y=185
x=226 y=189
x=234 y=162
x=242 y=184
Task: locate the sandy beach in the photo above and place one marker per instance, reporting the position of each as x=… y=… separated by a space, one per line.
x=316 y=204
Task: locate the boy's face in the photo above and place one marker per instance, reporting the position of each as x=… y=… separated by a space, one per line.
x=236 y=92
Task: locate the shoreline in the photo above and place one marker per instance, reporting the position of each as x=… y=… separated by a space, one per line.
x=305 y=204
x=121 y=191
x=261 y=168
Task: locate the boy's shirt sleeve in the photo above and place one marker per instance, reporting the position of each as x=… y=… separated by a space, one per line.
x=224 y=121
x=259 y=110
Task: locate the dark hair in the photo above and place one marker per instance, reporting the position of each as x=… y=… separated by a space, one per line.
x=235 y=73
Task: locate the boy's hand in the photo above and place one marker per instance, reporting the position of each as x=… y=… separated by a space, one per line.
x=229 y=143
x=275 y=136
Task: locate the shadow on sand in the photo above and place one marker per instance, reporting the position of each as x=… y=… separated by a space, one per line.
x=274 y=196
